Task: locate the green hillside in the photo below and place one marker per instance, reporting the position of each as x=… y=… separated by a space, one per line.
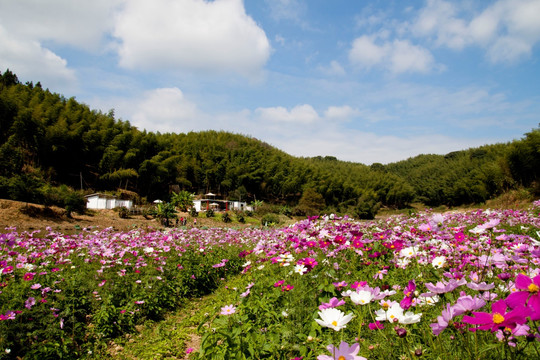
x=53 y=150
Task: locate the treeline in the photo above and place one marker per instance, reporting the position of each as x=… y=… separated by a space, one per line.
x=52 y=148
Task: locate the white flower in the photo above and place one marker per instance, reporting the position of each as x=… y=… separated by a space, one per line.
x=148 y=249
x=410 y=318
x=438 y=262
x=333 y=318
x=247 y=264
x=395 y=314
x=300 y=269
x=408 y=252
x=428 y=300
x=361 y=297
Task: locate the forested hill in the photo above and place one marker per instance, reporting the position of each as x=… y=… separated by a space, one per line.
x=51 y=147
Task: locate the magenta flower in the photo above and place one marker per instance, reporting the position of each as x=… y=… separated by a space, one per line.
x=279 y=283
x=344 y=352
x=409 y=292
x=498 y=318
x=529 y=295
x=28 y=276
x=377 y=325
x=287 y=287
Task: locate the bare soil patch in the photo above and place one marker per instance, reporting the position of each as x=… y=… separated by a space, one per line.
x=30 y=217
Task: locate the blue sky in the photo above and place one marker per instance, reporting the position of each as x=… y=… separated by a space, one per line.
x=364 y=81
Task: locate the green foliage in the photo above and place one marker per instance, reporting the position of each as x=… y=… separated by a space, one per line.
x=209 y=213
x=270 y=220
x=183 y=200
x=164 y=212
x=367 y=206
x=123 y=212
x=46 y=138
x=311 y=203
x=226 y=218
x=193 y=212
x=240 y=217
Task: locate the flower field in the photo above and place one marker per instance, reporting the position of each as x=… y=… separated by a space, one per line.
x=432 y=286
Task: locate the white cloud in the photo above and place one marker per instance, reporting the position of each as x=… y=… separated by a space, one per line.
x=215 y=36
x=286 y=9
x=29 y=60
x=166 y=110
x=439 y=19
x=399 y=56
x=507 y=29
x=81 y=24
x=341 y=112
x=334 y=69
x=300 y=114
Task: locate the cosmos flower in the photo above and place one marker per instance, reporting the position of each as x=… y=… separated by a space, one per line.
x=228 y=310
x=499 y=318
x=343 y=352
x=333 y=318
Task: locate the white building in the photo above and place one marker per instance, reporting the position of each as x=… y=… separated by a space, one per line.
x=220 y=205
x=103 y=201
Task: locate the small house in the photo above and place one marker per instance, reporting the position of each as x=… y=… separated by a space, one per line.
x=104 y=201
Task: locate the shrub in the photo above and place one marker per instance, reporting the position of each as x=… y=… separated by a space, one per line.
x=270 y=220
x=123 y=212
x=240 y=217
x=209 y=213
x=193 y=212
x=226 y=218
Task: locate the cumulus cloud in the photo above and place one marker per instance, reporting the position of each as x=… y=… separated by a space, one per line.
x=81 y=24
x=398 y=56
x=507 y=29
x=166 y=110
x=29 y=60
x=216 y=36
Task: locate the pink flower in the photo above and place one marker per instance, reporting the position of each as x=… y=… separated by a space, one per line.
x=189 y=350
x=334 y=302
x=30 y=302
x=228 y=310
x=344 y=352
x=279 y=283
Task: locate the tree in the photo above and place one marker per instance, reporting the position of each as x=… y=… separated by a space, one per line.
x=182 y=200
x=164 y=212
x=311 y=203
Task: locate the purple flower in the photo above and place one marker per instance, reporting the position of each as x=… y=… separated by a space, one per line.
x=29 y=302
x=332 y=303
x=443 y=320
x=480 y=287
